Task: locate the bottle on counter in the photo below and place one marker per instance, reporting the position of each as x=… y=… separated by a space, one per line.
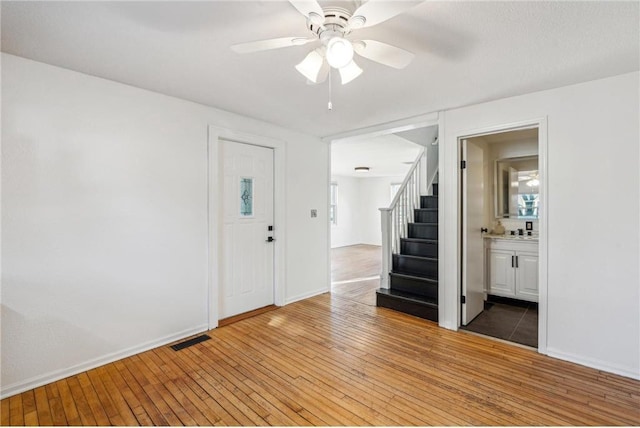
x=498 y=229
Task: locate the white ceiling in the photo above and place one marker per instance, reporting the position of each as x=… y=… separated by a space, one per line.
x=466 y=52
x=386 y=156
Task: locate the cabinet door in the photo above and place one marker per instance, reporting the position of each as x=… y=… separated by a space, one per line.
x=501 y=273
x=527 y=276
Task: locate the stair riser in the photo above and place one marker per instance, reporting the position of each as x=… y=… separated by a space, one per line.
x=425 y=216
x=434 y=187
x=423 y=231
x=418 y=267
x=412 y=308
x=422 y=249
x=421 y=288
x=428 y=202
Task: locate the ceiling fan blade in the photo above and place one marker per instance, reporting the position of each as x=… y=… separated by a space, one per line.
x=349 y=72
x=265 y=45
x=310 y=9
x=311 y=66
x=377 y=11
x=383 y=53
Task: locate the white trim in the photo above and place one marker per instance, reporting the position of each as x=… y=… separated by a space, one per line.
x=215 y=217
x=594 y=363
x=329 y=224
x=306 y=295
x=449 y=162
x=36 y=381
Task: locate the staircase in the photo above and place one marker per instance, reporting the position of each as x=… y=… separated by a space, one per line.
x=413 y=279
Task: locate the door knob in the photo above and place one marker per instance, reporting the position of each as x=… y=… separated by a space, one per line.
x=484 y=230
x=270 y=239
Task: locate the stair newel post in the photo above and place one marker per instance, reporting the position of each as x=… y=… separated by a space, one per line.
x=387 y=239
x=411 y=198
x=403 y=219
x=423 y=176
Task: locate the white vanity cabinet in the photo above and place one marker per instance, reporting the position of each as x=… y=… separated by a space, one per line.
x=512 y=267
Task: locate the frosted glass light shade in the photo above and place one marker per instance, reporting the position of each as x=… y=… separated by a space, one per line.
x=310 y=66
x=349 y=72
x=339 y=52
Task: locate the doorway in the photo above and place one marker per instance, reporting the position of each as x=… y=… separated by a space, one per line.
x=219 y=210
x=366 y=172
x=247 y=228
x=500 y=182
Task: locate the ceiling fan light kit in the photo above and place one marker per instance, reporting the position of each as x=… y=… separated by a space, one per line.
x=339 y=52
x=330 y=26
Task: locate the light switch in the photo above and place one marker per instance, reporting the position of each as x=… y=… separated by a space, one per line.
x=314 y=213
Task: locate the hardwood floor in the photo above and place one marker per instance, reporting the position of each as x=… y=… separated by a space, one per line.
x=329 y=360
x=355 y=272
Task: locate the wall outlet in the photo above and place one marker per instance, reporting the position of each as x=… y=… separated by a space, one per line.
x=529 y=225
x=314 y=213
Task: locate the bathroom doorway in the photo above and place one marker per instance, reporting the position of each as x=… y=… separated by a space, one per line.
x=500 y=184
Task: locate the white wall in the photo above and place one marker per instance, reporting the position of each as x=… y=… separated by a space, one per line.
x=376 y=194
x=593 y=295
x=359 y=203
x=347 y=231
x=104 y=221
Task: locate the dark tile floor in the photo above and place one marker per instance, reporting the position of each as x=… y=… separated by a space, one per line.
x=515 y=321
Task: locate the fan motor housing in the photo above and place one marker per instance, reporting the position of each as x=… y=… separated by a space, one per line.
x=336 y=20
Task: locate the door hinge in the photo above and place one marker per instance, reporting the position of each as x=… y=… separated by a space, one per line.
x=463 y=164
x=463 y=299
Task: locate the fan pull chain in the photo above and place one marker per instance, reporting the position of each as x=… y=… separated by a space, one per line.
x=330 y=104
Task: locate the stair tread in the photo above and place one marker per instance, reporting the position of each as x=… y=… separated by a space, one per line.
x=422 y=240
x=408 y=296
x=425 y=224
x=426 y=209
x=414 y=277
x=417 y=257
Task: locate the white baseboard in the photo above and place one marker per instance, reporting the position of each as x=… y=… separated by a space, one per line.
x=593 y=363
x=36 y=381
x=306 y=296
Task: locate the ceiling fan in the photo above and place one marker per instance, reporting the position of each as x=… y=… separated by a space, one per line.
x=331 y=25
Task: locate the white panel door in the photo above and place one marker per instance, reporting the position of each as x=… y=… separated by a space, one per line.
x=247 y=280
x=472 y=241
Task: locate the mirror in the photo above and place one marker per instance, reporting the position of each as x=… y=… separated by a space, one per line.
x=516 y=187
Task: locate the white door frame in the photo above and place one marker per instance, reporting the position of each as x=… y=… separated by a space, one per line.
x=541 y=124
x=214 y=196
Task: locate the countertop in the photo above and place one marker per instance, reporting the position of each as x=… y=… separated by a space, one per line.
x=512 y=237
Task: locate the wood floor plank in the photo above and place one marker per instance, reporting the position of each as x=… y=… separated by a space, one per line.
x=334 y=360
x=84 y=410
x=157 y=393
x=42 y=405
x=95 y=405
x=68 y=403
x=180 y=390
x=116 y=395
x=222 y=397
x=140 y=396
x=15 y=410
x=55 y=404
